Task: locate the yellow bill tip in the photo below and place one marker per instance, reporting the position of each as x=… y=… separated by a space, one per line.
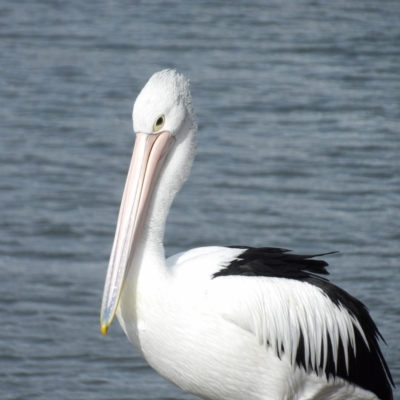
x=103 y=329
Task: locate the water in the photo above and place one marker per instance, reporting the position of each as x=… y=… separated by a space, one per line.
x=298 y=147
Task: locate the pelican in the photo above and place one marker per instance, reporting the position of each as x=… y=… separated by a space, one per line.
x=226 y=322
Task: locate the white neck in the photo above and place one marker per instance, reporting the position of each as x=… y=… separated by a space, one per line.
x=176 y=169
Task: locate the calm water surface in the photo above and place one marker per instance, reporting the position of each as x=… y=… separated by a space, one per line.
x=298 y=147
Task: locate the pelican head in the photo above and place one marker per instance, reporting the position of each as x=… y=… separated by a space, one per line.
x=165 y=127
x=163 y=104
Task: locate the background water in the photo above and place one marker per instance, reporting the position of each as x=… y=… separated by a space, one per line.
x=299 y=147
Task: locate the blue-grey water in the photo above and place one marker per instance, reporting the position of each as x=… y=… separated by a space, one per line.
x=298 y=147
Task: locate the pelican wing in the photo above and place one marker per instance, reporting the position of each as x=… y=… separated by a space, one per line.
x=317 y=325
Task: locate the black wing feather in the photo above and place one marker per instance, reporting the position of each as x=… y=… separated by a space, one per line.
x=367 y=366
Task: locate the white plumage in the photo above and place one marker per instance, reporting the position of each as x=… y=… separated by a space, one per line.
x=219 y=322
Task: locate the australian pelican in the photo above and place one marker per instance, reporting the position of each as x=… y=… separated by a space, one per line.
x=226 y=322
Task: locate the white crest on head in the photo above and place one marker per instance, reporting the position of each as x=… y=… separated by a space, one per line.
x=166 y=93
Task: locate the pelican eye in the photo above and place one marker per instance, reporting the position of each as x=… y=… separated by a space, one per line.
x=159 y=123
